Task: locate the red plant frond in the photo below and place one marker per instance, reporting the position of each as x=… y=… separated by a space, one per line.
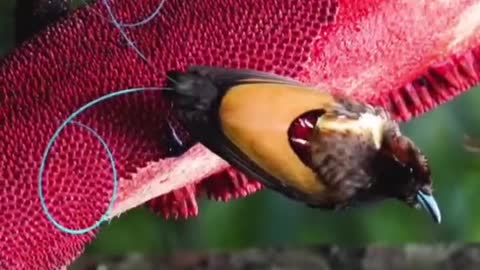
x=406 y=55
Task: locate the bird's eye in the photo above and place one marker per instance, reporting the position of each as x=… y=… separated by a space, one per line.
x=300 y=132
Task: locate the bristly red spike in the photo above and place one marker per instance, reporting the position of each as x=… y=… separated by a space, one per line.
x=341 y=46
x=180 y=203
x=466 y=66
x=441 y=82
x=229 y=184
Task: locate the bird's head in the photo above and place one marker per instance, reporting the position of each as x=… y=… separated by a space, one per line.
x=404 y=173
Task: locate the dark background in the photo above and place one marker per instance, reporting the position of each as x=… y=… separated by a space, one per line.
x=267 y=219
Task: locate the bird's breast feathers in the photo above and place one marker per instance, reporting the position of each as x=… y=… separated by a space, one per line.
x=368 y=125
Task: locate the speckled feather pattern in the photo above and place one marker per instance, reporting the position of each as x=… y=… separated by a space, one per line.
x=346 y=46
x=346 y=167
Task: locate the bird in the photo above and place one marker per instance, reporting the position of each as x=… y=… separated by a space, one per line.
x=327 y=151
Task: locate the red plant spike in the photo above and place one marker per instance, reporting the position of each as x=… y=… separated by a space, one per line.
x=408 y=56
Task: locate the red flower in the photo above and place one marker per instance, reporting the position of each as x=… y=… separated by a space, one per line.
x=408 y=56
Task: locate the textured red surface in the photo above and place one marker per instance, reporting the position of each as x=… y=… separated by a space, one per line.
x=396 y=53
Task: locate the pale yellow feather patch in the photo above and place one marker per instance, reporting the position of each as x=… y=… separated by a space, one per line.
x=367 y=123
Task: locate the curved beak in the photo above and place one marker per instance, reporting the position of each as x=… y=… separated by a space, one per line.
x=430 y=205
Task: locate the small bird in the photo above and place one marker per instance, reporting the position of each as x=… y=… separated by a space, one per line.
x=327 y=151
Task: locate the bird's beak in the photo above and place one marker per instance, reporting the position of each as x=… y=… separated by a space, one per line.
x=428 y=203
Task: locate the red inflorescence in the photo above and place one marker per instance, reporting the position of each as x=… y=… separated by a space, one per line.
x=229 y=184
x=438 y=84
x=180 y=203
x=363 y=48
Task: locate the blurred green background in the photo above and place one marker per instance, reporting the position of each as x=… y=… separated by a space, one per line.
x=267 y=219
